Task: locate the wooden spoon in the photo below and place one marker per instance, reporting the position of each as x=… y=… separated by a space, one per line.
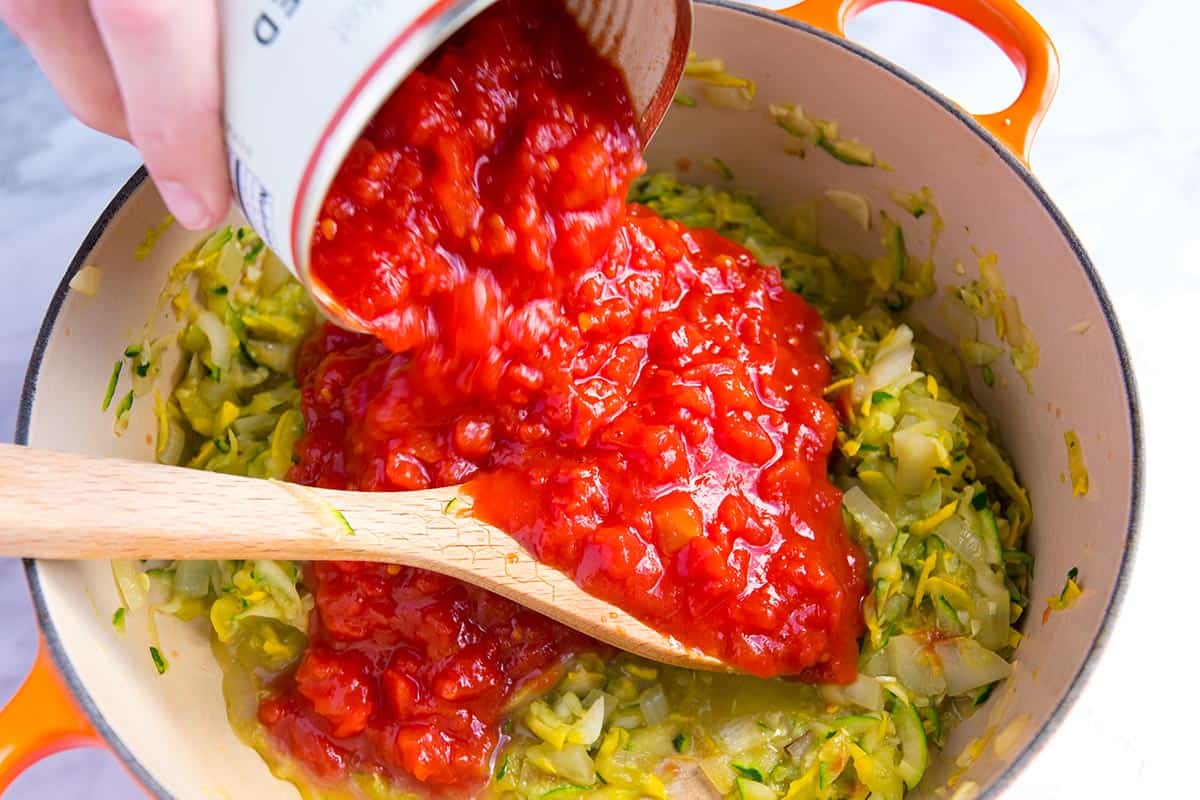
x=60 y=505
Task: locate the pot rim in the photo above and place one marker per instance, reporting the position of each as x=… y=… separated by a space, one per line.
x=1137 y=476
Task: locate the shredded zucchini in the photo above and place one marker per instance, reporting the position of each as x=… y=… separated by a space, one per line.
x=823 y=133
x=1079 y=473
x=151 y=239
x=987 y=298
x=718 y=86
x=160 y=663
x=112 y=385
x=620 y=727
x=1066 y=598
x=228 y=413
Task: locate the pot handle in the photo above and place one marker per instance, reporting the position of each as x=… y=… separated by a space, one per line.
x=1007 y=24
x=40 y=720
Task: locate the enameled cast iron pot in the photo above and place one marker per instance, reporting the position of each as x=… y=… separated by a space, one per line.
x=92 y=687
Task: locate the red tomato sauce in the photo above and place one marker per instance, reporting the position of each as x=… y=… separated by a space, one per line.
x=408 y=674
x=507 y=155
x=640 y=404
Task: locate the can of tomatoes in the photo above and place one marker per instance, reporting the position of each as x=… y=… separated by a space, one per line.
x=303 y=78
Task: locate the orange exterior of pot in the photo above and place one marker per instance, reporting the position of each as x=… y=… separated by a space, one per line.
x=1007 y=24
x=41 y=719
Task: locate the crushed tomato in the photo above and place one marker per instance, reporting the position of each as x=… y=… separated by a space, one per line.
x=408 y=673
x=640 y=404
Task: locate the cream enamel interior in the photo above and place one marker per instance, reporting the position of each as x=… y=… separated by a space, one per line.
x=175 y=725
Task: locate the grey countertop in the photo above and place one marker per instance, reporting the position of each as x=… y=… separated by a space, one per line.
x=1119 y=153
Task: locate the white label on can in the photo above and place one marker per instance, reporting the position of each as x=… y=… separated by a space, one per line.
x=255 y=200
x=294 y=70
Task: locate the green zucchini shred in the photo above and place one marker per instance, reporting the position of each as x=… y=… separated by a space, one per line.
x=125 y=405
x=341 y=518
x=987 y=299
x=111 y=389
x=160 y=663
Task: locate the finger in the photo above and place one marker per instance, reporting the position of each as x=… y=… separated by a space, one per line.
x=166 y=57
x=62 y=37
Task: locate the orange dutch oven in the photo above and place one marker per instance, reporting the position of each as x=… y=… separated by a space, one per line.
x=89 y=687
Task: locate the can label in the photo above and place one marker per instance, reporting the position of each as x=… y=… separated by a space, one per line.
x=254 y=198
x=302 y=78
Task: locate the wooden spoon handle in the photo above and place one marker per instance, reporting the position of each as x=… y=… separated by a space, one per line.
x=65 y=506
x=62 y=505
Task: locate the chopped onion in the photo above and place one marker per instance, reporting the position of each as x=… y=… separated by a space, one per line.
x=274 y=274
x=877 y=664
x=255 y=426
x=231 y=263
x=731 y=97
x=213 y=393
x=991 y=610
x=913 y=663
x=654 y=705
x=568 y=707
x=799 y=746
x=941 y=412
x=571 y=762
x=875 y=524
x=962 y=540
x=281 y=586
x=691 y=782
x=86 y=281
x=1009 y=737
x=917 y=456
x=219 y=341
x=132 y=584
x=967 y=665
x=853 y=205
x=170 y=451
x=740 y=735
x=967 y=790
x=971 y=548
x=628 y=720
x=892 y=366
x=192 y=578
x=279 y=356
x=719 y=773
x=978 y=353
x=589 y=727
x=865 y=692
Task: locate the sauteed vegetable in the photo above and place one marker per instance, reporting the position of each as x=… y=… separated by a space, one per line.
x=929 y=496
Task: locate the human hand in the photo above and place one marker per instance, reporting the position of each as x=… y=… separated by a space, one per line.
x=147 y=71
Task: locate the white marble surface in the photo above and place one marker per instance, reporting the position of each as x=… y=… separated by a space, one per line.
x=1119 y=153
